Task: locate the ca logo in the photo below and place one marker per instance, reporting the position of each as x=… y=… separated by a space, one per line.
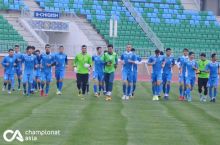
x=13 y=135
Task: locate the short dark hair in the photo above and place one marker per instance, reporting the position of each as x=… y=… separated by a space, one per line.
x=33 y=47
x=47 y=46
x=110 y=45
x=97 y=48
x=16 y=45
x=168 y=49
x=186 y=49
x=84 y=46
x=29 y=47
x=37 y=51
x=61 y=46
x=191 y=53
x=213 y=55
x=133 y=49
x=161 y=53
x=203 y=54
x=10 y=49
x=157 y=51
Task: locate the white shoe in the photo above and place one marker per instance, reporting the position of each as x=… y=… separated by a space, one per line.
x=9 y=92
x=57 y=92
x=156 y=98
x=123 y=97
x=127 y=98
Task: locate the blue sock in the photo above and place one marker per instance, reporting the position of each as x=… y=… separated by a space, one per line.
x=134 y=87
x=9 y=86
x=158 y=88
x=215 y=92
x=100 y=88
x=153 y=89
x=19 y=83
x=124 y=89
x=60 y=86
x=24 y=87
x=47 y=88
x=129 y=90
x=181 y=90
x=188 y=92
x=42 y=86
x=210 y=92
x=95 y=88
x=29 y=88
x=168 y=89
x=110 y=87
x=12 y=83
x=164 y=88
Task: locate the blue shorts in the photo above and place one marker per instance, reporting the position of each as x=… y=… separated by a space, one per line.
x=134 y=78
x=9 y=77
x=46 y=76
x=60 y=74
x=127 y=76
x=190 y=80
x=98 y=76
x=18 y=72
x=28 y=78
x=156 y=77
x=213 y=82
x=167 y=77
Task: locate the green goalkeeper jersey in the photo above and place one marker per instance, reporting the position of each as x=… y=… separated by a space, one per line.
x=111 y=61
x=80 y=61
x=202 y=67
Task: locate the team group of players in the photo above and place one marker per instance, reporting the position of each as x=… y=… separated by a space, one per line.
x=37 y=72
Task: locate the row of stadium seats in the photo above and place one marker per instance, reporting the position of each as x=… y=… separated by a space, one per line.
x=11 y=4
x=9 y=36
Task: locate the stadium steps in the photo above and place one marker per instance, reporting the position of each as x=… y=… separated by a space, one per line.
x=32 y=5
x=190 y=5
x=90 y=32
x=14 y=21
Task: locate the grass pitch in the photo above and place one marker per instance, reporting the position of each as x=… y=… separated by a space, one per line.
x=94 y=121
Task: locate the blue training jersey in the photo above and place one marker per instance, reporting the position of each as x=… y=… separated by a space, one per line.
x=98 y=63
x=191 y=65
x=213 y=68
x=135 y=66
x=126 y=56
x=169 y=63
x=45 y=60
x=181 y=60
x=18 y=56
x=38 y=60
x=158 y=61
x=60 y=61
x=8 y=63
x=29 y=62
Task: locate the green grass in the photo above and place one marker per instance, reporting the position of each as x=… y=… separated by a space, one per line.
x=94 y=121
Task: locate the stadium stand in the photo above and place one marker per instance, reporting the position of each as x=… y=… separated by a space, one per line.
x=11 y=4
x=177 y=28
x=9 y=36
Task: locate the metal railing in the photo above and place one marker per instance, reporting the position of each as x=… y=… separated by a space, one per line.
x=142 y=23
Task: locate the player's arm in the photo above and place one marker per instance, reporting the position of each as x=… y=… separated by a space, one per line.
x=133 y=59
x=4 y=62
x=150 y=61
x=122 y=59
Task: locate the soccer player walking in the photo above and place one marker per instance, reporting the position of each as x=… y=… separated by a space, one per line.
x=202 y=77
x=60 y=68
x=135 y=71
x=82 y=63
x=110 y=59
x=47 y=61
x=191 y=69
x=167 y=73
x=127 y=60
x=182 y=73
x=9 y=63
x=214 y=71
x=98 y=72
x=157 y=62
x=30 y=63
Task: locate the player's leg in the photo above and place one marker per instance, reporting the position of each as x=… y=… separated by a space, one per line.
x=24 y=82
x=79 y=83
x=200 y=85
x=95 y=85
x=13 y=84
x=10 y=80
x=124 y=83
x=62 y=75
x=19 y=73
x=100 y=83
x=57 y=76
x=129 y=86
x=84 y=78
x=43 y=80
x=153 y=80
x=30 y=83
x=215 y=87
x=48 y=80
x=106 y=78
x=134 y=82
x=181 y=88
x=110 y=85
x=188 y=90
x=164 y=82
x=6 y=77
x=205 y=89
